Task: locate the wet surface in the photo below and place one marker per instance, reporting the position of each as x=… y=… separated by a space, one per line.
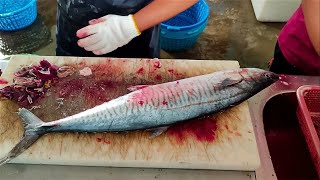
x=233 y=33
x=287 y=145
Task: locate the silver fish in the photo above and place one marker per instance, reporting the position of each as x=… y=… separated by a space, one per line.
x=153 y=107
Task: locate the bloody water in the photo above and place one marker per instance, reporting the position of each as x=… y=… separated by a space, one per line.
x=289 y=153
x=175 y=72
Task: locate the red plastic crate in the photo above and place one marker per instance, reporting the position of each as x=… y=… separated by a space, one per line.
x=308 y=113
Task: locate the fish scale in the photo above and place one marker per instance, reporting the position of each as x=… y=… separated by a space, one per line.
x=144 y=108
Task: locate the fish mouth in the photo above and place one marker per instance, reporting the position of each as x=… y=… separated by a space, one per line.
x=271 y=76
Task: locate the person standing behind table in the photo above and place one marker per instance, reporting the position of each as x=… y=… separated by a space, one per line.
x=298 y=47
x=113 y=28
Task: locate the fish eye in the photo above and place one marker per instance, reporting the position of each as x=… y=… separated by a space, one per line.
x=267 y=75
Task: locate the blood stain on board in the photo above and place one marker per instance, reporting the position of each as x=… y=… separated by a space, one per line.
x=140 y=102
x=175 y=73
x=228 y=129
x=106 y=141
x=3 y=81
x=71 y=86
x=102 y=140
x=140 y=71
x=78 y=93
x=203 y=129
x=98 y=90
x=158 y=78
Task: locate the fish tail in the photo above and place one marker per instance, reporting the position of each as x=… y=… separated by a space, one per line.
x=33 y=130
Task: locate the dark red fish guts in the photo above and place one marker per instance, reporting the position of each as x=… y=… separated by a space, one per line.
x=30 y=83
x=3 y=81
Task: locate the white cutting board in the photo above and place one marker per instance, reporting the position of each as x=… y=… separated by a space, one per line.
x=234 y=147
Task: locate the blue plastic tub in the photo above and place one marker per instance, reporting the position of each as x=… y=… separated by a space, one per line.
x=17 y=14
x=182 y=31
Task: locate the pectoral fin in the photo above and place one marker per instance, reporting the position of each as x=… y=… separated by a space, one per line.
x=230 y=82
x=158 y=131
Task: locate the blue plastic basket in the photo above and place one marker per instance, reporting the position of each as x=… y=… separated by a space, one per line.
x=17 y=14
x=182 y=31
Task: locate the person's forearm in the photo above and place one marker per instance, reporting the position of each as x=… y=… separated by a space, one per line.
x=311 y=11
x=159 y=11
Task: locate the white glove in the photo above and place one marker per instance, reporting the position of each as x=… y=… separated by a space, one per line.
x=107 y=33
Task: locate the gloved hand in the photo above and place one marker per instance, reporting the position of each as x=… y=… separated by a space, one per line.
x=107 y=33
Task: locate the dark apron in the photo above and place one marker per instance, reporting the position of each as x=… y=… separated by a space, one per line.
x=73 y=15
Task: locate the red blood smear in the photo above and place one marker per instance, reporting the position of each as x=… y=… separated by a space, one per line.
x=98 y=91
x=2 y=81
x=164 y=102
x=94 y=91
x=228 y=129
x=158 y=77
x=20 y=92
x=175 y=73
x=106 y=141
x=203 y=129
x=140 y=102
x=140 y=71
x=74 y=85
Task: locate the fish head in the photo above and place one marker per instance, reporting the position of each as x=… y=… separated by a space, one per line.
x=259 y=78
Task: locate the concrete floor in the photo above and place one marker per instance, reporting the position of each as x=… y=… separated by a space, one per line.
x=233 y=33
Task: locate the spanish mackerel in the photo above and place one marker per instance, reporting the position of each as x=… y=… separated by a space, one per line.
x=154 y=106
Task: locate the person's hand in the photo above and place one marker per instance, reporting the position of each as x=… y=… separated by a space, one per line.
x=107 y=33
